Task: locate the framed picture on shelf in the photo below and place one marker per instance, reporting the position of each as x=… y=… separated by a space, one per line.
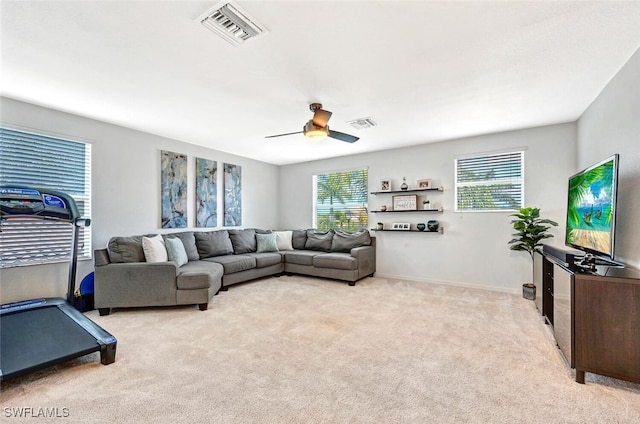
x=422 y=184
x=405 y=226
x=406 y=202
x=385 y=185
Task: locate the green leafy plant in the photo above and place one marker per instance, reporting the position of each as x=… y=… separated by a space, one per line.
x=530 y=230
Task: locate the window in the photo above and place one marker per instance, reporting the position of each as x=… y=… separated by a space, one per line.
x=491 y=182
x=340 y=200
x=48 y=162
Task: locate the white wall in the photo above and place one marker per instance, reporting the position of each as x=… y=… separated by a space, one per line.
x=473 y=250
x=612 y=125
x=126 y=188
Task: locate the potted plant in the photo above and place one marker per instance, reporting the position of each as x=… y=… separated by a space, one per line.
x=530 y=231
x=426 y=205
x=380 y=225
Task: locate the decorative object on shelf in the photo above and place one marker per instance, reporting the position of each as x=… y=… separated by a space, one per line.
x=530 y=231
x=380 y=226
x=401 y=226
x=424 y=184
x=404 y=186
x=383 y=208
x=433 y=225
x=426 y=205
x=421 y=226
x=385 y=185
x=408 y=202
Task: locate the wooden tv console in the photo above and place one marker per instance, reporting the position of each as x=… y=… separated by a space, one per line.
x=595 y=316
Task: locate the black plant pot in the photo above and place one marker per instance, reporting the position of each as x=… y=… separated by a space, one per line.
x=529 y=291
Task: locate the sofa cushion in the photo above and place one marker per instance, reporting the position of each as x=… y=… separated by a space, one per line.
x=344 y=241
x=266 y=243
x=213 y=243
x=298 y=239
x=266 y=259
x=300 y=257
x=154 y=249
x=176 y=251
x=319 y=240
x=335 y=261
x=189 y=242
x=243 y=241
x=198 y=275
x=284 y=240
x=234 y=263
x=126 y=249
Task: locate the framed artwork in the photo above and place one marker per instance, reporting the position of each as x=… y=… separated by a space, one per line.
x=405 y=226
x=173 y=189
x=385 y=185
x=206 y=193
x=424 y=184
x=232 y=195
x=405 y=202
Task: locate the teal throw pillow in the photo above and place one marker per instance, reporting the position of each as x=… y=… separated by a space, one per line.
x=176 y=251
x=266 y=243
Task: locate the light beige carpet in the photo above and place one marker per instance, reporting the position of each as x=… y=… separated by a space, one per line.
x=303 y=350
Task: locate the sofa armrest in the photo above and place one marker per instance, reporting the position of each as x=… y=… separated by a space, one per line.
x=135 y=284
x=101 y=257
x=366 y=256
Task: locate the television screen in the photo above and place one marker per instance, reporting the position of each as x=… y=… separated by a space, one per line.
x=591 y=210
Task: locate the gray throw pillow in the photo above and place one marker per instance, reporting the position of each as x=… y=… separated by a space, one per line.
x=189 y=242
x=344 y=241
x=243 y=241
x=299 y=239
x=319 y=240
x=126 y=249
x=213 y=243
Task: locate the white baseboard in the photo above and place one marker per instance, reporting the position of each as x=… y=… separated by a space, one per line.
x=448 y=283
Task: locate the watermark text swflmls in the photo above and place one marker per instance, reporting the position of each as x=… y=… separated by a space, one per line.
x=32 y=412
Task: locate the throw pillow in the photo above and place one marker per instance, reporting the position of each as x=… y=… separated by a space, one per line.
x=266 y=243
x=284 y=240
x=213 y=243
x=176 y=251
x=344 y=241
x=154 y=250
x=188 y=241
x=319 y=240
x=243 y=241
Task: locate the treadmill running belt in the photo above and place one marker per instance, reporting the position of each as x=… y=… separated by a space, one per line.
x=32 y=338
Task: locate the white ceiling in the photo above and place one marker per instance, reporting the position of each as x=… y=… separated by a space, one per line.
x=425 y=71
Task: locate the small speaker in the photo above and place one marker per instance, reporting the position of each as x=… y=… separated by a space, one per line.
x=561 y=255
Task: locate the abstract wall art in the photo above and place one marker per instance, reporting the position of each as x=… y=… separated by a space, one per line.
x=206 y=193
x=173 y=189
x=232 y=195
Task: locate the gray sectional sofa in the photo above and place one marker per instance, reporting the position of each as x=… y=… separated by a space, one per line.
x=191 y=267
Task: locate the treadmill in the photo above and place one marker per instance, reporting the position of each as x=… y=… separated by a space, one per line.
x=39 y=333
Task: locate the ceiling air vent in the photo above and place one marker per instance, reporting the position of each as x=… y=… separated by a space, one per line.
x=362 y=123
x=228 y=21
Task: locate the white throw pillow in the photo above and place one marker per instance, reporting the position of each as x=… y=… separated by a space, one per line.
x=283 y=240
x=154 y=250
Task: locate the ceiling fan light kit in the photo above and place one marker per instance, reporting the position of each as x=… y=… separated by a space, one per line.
x=317 y=128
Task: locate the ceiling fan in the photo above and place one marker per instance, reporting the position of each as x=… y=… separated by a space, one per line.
x=317 y=128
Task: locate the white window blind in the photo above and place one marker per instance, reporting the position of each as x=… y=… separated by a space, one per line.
x=492 y=182
x=28 y=159
x=341 y=200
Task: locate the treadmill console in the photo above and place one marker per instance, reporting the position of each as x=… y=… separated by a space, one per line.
x=26 y=201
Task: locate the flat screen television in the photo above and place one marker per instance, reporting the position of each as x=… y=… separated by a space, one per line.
x=591 y=209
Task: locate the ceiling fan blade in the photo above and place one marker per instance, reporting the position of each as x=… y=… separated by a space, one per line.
x=282 y=135
x=343 y=137
x=321 y=117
